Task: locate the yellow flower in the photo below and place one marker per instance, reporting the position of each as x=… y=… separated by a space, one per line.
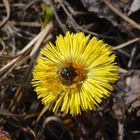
x=75 y=74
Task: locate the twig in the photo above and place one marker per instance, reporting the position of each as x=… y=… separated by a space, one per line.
x=79 y=27
x=120 y=130
x=23 y=55
x=62 y=26
x=124 y=53
x=14 y=5
x=30 y=4
x=35 y=49
x=15 y=100
x=17 y=61
x=125 y=44
x=117 y=12
x=20 y=90
x=23 y=23
x=132 y=56
x=74 y=22
x=73 y=12
x=122 y=70
x=7 y=6
x=46 y=30
x=41 y=113
x=29 y=131
x=9 y=114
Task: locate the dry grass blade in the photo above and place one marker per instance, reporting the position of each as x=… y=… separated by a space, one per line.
x=46 y=30
x=8 y=66
x=122 y=70
x=125 y=44
x=24 y=52
x=36 y=46
x=62 y=26
x=4 y=112
x=41 y=113
x=16 y=99
x=7 y=6
x=74 y=22
x=116 y=11
x=25 y=23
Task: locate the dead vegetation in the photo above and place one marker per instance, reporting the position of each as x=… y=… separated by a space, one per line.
x=26 y=26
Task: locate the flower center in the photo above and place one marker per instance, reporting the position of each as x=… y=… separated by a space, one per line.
x=67 y=75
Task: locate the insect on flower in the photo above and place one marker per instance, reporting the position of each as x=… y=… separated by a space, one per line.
x=67 y=75
x=75 y=74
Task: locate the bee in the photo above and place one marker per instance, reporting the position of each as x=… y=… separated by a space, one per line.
x=67 y=75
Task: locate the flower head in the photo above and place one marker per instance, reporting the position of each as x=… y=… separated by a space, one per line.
x=75 y=74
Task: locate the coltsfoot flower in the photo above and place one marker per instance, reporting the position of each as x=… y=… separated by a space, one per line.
x=75 y=74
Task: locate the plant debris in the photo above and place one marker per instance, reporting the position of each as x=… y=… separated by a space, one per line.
x=26 y=26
